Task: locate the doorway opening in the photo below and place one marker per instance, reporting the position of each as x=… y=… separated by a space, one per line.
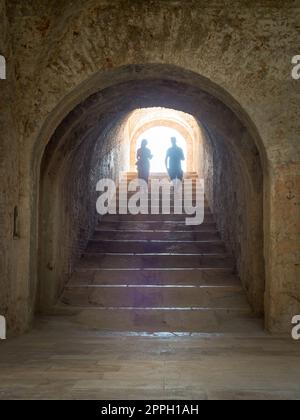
x=157 y=125
x=102 y=143
x=159 y=142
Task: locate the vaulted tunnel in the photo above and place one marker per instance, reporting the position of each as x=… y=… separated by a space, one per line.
x=145 y=306
x=88 y=144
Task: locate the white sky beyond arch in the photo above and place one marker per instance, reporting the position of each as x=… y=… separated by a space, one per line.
x=159 y=141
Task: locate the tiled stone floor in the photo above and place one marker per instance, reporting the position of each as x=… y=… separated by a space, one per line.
x=57 y=360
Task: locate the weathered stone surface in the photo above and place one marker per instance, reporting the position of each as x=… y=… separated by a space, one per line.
x=61 y=53
x=238 y=208
x=59 y=360
x=14 y=287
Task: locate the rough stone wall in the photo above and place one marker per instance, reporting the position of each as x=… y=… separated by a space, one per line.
x=282 y=253
x=208 y=168
x=243 y=48
x=13 y=293
x=231 y=198
x=5 y=113
x=69 y=194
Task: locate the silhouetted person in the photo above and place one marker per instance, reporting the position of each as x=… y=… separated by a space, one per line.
x=173 y=161
x=143 y=161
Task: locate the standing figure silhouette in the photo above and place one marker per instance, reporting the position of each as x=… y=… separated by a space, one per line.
x=173 y=161
x=143 y=161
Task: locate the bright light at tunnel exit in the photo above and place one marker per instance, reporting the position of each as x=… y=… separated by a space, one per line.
x=159 y=141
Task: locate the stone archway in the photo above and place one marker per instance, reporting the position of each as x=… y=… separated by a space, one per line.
x=59 y=62
x=169 y=124
x=99 y=118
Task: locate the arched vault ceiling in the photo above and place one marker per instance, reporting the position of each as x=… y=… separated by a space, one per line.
x=109 y=106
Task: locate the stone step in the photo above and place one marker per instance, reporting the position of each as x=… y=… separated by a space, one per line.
x=208 y=218
x=142 y=246
x=158 y=277
x=124 y=181
x=152 y=235
x=156 y=297
x=152 y=320
x=139 y=226
x=157 y=199
x=189 y=189
x=106 y=260
x=154 y=209
x=154 y=273
x=161 y=175
x=191 y=181
x=192 y=185
x=157 y=204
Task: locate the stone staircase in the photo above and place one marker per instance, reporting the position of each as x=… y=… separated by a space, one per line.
x=153 y=273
